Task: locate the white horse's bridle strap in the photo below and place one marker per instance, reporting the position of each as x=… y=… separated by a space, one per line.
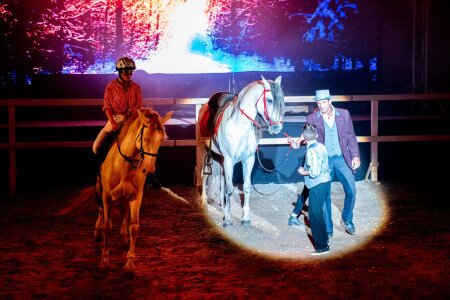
x=266 y=114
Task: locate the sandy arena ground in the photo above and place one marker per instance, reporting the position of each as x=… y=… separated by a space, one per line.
x=270 y=207
x=400 y=250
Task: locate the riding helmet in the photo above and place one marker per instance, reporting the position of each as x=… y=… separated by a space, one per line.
x=125 y=63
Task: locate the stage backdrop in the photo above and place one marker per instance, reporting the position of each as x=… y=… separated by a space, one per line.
x=367 y=46
x=189 y=36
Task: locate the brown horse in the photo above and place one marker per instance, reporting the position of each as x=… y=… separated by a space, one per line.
x=131 y=157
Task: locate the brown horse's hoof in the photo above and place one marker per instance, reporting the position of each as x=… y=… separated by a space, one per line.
x=98 y=236
x=104 y=264
x=129 y=267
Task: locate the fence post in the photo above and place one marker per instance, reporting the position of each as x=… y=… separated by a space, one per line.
x=199 y=153
x=12 y=149
x=374 y=144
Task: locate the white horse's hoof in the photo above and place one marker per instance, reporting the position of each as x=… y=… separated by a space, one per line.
x=246 y=223
x=227 y=224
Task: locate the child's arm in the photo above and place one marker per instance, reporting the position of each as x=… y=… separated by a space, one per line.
x=303 y=172
x=110 y=117
x=295 y=144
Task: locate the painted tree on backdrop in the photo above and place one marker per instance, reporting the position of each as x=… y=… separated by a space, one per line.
x=78 y=34
x=20 y=59
x=101 y=29
x=255 y=26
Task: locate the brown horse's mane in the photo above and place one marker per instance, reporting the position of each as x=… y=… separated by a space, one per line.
x=152 y=115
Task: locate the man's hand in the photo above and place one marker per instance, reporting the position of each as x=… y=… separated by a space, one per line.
x=114 y=125
x=356 y=162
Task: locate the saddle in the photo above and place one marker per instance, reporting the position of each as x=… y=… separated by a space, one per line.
x=212 y=116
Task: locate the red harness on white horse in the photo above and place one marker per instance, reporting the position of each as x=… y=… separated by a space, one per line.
x=266 y=114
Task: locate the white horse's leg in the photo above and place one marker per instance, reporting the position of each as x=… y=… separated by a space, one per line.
x=222 y=184
x=215 y=184
x=228 y=174
x=107 y=227
x=135 y=206
x=204 y=187
x=247 y=167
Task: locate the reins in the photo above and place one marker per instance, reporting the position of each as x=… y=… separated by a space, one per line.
x=136 y=162
x=274 y=169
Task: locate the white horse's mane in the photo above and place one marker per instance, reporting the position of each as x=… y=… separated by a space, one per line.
x=277 y=92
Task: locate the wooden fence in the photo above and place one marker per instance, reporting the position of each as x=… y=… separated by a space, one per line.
x=295 y=104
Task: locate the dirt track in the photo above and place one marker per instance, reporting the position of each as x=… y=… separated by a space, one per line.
x=180 y=254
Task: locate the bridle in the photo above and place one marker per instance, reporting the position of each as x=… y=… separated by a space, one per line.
x=259 y=126
x=266 y=113
x=136 y=162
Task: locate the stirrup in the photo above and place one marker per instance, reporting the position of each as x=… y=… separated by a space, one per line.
x=207 y=169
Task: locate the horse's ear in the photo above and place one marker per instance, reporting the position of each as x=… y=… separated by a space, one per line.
x=278 y=80
x=143 y=118
x=166 y=117
x=266 y=83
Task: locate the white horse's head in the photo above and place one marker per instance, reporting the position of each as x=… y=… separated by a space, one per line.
x=271 y=109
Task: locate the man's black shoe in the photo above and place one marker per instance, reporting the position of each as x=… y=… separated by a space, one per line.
x=320 y=251
x=293 y=221
x=348 y=226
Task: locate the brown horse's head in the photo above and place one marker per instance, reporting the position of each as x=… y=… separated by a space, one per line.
x=151 y=134
x=142 y=135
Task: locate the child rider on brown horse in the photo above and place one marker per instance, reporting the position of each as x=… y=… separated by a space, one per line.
x=122 y=97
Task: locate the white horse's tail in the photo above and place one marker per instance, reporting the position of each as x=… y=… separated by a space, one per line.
x=85 y=195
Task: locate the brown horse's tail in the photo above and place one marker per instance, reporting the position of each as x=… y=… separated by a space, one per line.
x=85 y=195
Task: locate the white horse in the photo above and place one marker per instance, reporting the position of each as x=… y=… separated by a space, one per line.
x=233 y=123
